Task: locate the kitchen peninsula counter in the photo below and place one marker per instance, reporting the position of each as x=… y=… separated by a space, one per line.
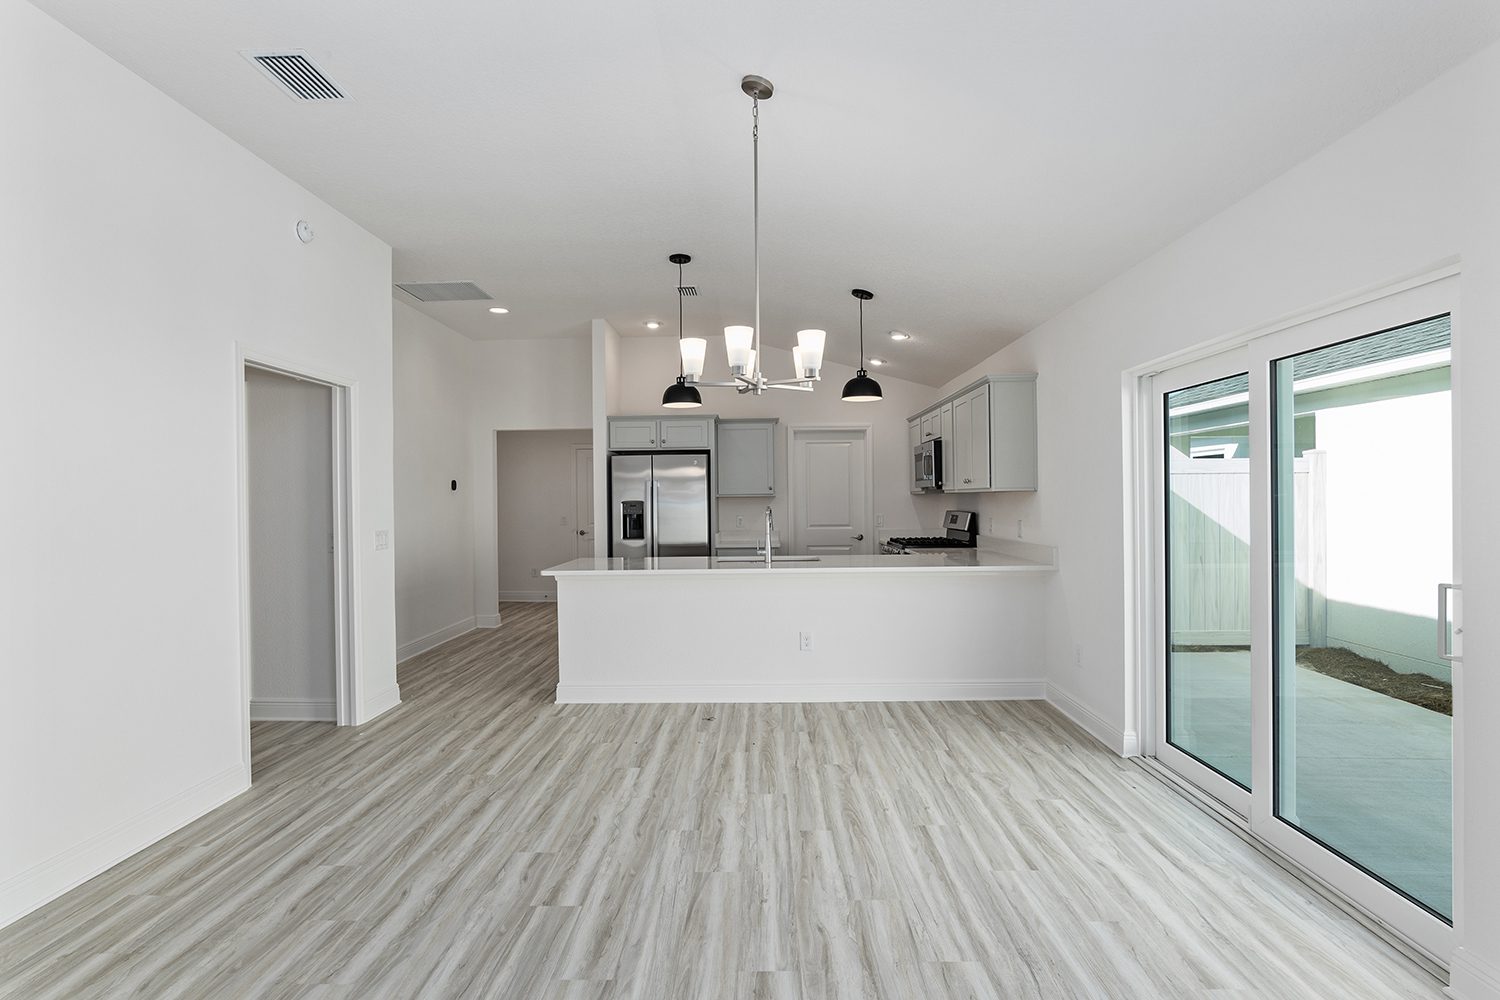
x=926 y=626
x=962 y=560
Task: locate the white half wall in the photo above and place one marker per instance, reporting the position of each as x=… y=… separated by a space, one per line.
x=1413 y=188
x=434 y=523
x=734 y=637
x=289 y=481
x=144 y=250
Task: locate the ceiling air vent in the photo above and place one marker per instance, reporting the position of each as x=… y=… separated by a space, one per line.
x=443 y=291
x=298 y=75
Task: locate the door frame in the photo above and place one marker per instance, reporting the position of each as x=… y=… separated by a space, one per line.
x=578 y=498
x=346 y=646
x=1393 y=915
x=868 y=433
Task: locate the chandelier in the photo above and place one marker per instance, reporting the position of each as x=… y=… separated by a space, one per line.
x=742 y=343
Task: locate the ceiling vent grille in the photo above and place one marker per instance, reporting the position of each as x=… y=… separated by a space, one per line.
x=298 y=75
x=443 y=291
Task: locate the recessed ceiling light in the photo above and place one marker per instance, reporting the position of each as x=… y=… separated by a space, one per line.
x=898 y=335
x=877 y=362
x=499 y=310
x=652 y=324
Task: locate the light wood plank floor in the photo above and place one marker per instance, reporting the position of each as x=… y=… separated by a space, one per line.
x=480 y=841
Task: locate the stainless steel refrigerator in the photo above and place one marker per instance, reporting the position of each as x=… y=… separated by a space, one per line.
x=658 y=505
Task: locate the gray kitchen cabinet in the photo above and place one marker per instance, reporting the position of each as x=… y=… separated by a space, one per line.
x=746 y=456
x=632 y=434
x=647 y=433
x=989 y=434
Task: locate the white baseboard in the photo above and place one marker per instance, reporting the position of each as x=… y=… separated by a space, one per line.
x=1472 y=978
x=293 y=710
x=434 y=639
x=378 y=704
x=37 y=886
x=1126 y=743
x=487 y=621
x=632 y=694
x=528 y=596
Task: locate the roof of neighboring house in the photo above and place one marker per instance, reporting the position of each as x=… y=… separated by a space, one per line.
x=1415 y=338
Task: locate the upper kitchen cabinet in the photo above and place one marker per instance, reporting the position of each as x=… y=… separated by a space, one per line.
x=654 y=433
x=746 y=456
x=988 y=431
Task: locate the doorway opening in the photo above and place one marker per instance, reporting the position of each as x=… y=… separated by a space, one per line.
x=540 y=518
x=295 y=545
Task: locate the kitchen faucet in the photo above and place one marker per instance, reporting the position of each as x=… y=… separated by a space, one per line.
x=770 y=523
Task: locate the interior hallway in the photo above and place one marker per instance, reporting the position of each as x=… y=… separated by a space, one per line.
x=481 y=841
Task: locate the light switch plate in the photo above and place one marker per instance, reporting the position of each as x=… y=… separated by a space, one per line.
x=382 y=540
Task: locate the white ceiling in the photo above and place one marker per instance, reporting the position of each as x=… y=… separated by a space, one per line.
x=978 y=165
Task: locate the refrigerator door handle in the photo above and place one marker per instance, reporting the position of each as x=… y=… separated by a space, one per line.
x=655 y=550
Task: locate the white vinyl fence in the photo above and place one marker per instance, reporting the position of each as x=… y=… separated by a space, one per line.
x=1209 y=550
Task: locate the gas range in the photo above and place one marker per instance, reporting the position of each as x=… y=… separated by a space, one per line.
x=959 y=533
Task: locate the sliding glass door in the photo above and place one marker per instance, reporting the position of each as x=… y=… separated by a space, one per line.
x=1305 y=566
x=1204 y=497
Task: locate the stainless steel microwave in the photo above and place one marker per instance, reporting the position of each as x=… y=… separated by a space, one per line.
x=927 y=466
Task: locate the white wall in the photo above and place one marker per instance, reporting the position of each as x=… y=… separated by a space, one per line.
x=141 y=248
x=289 y=463
x=434 y=536
x=535 y=509
x=518 y=385
x=648 y=364
x=1412 y=188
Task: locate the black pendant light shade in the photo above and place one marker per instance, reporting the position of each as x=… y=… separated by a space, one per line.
x=862 y=388
x=681 y=396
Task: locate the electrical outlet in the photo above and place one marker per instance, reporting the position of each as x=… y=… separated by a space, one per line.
x=739 y=521
x=536 y=572
x=804 y=641
x=1020 y=528
x=382 y=540
x=563 y=521
x=880 y=520
x=989 y=525
x=1078 y=657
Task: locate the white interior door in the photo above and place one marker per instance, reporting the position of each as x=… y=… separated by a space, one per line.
x=583 y=501
x=831 y=492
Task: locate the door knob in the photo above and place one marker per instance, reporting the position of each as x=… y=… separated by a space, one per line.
x=859 y=538
x=582 y=532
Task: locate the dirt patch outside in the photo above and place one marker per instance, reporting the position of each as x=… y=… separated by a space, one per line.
x=1347 y=665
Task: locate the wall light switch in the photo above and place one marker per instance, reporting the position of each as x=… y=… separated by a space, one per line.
x=804 y=641
x=382 y=540
x=563 y=521
x=880 y=520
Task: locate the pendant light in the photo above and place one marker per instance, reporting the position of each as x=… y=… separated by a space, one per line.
x=742 y=348
x=862 y=388
x=680 y=395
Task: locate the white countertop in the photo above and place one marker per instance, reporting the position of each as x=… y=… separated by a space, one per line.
x=964 y=561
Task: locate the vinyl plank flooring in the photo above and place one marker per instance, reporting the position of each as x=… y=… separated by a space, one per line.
x=481 y=841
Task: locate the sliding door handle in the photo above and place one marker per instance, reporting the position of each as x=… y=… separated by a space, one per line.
x=1445 y=637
